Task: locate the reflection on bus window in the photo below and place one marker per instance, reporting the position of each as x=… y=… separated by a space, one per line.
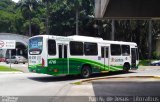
x=35 y=45
x=125 y=50
x=90 y=48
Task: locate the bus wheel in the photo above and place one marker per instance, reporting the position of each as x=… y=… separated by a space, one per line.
x=15 y=62
x=126 y=67
x=86 y=71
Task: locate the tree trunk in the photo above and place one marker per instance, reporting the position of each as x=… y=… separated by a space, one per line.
x=30 y=32
x=47 y=18
x=150 y=40
x=77 y=21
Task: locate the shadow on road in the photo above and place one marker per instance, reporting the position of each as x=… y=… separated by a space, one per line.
x=72 y=77
x=54 y=78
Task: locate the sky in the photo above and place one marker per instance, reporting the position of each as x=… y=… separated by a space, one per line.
x=15 y=0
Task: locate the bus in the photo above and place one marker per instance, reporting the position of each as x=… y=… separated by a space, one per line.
x=80 y=55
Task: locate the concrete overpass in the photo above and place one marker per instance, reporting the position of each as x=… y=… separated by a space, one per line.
x=127 y=9
x=21 y=44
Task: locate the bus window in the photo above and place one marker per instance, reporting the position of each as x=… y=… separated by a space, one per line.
x=90 y=48
x=102 y=52
x=60 y=51
x=115 y=50
x=125 y=50
x=51 y=47
x=76 y=48
x=35 y=46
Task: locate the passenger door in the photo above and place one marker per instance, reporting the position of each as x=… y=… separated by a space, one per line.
x=63 y=58
x=105 y=57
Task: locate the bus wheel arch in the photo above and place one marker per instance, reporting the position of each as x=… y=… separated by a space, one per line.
x=86 y=71
x=126 y=67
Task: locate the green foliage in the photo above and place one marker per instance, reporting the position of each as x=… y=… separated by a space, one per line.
x=155 y=55
x=63 y=17
x=144 y=62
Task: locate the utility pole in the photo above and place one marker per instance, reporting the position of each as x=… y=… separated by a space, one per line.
x=113 y=29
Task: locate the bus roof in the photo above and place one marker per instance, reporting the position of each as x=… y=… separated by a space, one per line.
x=84 y=38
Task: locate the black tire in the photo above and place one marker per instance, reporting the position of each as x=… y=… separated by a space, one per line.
x=7 y=62
x=156 y=64
x=86 y=71
x=126 y=68
x=23 y=62
x=16 y=62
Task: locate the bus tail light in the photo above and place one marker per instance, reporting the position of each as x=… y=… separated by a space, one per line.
x=43 y=62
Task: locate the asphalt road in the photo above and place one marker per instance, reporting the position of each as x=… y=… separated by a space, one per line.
x=126 y=88
x=31 y=84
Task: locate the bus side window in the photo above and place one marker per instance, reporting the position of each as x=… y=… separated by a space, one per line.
x=76 y=48
x=125 y=50
x=51 y=47
x=102 y=52
x=115 y=49
x=90 y=48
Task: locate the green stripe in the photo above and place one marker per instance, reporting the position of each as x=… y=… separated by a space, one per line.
x=75 y=65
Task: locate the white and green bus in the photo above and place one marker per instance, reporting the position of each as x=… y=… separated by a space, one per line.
x=73 y=55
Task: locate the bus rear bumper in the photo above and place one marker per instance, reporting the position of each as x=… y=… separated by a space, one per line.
x=38 y=70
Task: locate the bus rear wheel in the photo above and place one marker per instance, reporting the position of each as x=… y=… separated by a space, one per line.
x=86 y=71
x=126 y=67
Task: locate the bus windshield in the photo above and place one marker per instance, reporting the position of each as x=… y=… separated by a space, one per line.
x=35 y=46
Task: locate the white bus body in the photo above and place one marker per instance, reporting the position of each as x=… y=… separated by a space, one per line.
x=57 y=55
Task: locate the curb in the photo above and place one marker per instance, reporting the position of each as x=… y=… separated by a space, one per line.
x=92 y=79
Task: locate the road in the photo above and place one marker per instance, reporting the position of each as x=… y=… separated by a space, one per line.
x=32 y=84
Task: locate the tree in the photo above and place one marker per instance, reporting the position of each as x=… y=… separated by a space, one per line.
x=7 y=16
x=28 y=9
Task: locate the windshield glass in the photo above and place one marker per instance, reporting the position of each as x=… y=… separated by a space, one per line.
x=35 y=45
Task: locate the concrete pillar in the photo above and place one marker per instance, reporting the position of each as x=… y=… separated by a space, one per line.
x=113 y=29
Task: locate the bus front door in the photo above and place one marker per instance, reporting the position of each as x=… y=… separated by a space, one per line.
x=63 y=58
x=104 y=57
x=133 y=57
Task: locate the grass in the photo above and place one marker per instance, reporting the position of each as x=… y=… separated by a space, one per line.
x=4 y=68
x=77 y=83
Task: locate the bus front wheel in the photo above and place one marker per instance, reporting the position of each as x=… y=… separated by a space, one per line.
x=86 y=71
x=126 y=67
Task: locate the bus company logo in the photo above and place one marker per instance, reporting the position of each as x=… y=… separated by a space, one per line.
x=52 y=62
x=1 y=44
x=116 y=60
